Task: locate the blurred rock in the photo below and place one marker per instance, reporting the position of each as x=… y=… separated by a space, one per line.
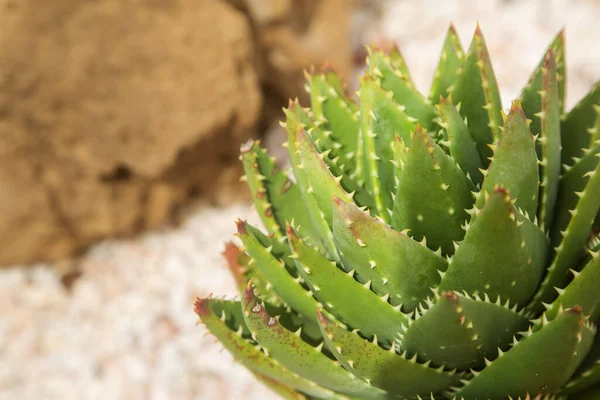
x=112 y=114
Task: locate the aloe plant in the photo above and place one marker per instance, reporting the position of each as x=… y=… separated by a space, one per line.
x=427 y=247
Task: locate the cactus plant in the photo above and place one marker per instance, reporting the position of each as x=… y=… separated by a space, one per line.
x=427 y=247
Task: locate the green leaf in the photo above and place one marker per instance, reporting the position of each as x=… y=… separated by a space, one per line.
x=473 y=330
x=385 y=369
x=287 y=287
x=558 y=47
x=381 y=119
x=458 y=140
x=319 y=222
x=257 y=184
x=582 y=291
x=432 y=195
x=540 y=363
x=448 y=66
x=284 y=196
x=541 y=103
x=390 y=260
x=587 y=375
x=328 y=148
x=581 y=182
x=575 y=128
x=477 y=93
x=296 y=355
x=514 y=164
x=225 y=321
x=336 y=115
x=341 y=294
x=572 y=184
x=322 y=184
x=282 y=390
x=503 y=254
x=392 y=77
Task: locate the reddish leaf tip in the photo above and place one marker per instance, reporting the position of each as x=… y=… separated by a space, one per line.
x=452 y=28
x=338 y=202
x=576 y=309
x=241 y=227
x=517 y=109
x=385 y=45
x=323 y=319
x=201 y=307
x=291 y=233
x=500 y=190
x=451 y=296
x=327 y=68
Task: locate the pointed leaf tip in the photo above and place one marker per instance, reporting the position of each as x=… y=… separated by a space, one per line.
x=327 y=68
x=248 y=145
x=323 y=319
x=241 y=227
x=517 y=108
x=201 y=307
x=449 y=295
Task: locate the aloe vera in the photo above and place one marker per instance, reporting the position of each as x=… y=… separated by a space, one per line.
x=424 y=246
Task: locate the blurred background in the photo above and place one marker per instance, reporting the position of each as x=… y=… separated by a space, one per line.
x=120 y=127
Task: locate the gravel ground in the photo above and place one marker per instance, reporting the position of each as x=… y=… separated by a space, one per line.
x=125 y=329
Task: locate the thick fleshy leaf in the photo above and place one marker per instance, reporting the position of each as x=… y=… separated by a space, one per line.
x=477 y=93
x=581 y=184
x=582 y=291
x=257 y=184
x=353 y=303
x=336 y=115
x=458 y=140
x=558 y=47
x=326 y=145
x=287 y=287
x=503 y=254
x=393 y=262
x=541 y=104
x=225 y=321
x=381 y=119
x=587 y=375
x=448 y=66
x=293 y=353
x=473 y=329
x=286 y=392
x=432 y=195
x=540 y=363
x=514 y=164
x=385 y=68
x=575 y=128
x=322 y=184
x=385 y=369
x=319 y=222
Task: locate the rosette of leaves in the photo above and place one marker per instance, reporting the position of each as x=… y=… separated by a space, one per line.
x=423 y=247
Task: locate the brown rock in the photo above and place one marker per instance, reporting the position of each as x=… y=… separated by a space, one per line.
x=114 y=113
x=295 y=34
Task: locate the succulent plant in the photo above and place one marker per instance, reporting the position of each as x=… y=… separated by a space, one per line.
x=427 y=247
